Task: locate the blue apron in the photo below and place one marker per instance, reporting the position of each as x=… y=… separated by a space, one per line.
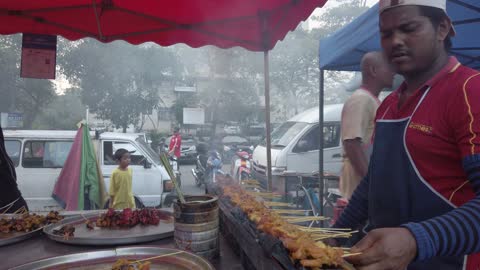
x=397 y=193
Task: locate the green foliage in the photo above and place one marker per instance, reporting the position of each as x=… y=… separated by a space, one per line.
x=157 y=138
x=29 y=96
x=184 y=100
x=120 y=81
x=294 y=61
x=64 y=112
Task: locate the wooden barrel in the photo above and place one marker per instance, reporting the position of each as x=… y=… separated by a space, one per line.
x=196 y=225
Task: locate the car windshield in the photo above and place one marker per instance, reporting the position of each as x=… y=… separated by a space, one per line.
x=285 y=133
x=150 y=152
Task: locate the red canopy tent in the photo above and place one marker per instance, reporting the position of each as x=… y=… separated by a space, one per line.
x=255 y=25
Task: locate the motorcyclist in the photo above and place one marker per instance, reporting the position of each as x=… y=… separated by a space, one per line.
x=214 y=165
x=202 y=153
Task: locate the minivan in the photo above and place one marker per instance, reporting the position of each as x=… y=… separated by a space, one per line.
x=39 y=156
x=295 y=147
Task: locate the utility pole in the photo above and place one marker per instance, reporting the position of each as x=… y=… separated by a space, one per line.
x=86 y=114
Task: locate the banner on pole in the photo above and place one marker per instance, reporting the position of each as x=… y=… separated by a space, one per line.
x=39 y=56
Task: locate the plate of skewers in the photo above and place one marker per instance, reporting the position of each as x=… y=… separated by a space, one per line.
x=129 y=226
x=128 y=258
x=23 y=225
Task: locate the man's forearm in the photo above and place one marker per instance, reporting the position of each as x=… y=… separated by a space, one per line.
x=356 y=155
x=357 y=209
x=456 y=232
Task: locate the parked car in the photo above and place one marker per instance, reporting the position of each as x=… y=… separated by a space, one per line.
x=255 y=133
x=37 y=171
x=295 y=146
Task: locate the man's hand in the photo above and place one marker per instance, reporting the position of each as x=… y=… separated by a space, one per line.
x=385 y=249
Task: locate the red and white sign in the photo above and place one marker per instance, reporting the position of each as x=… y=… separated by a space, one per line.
x=39 y=56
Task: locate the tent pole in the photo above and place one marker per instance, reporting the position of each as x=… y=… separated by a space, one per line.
x=267 y=120
x=320 y=152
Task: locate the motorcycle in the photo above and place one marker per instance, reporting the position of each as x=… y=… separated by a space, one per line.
x=207 y=167
x=241 y=166
x=200 y=169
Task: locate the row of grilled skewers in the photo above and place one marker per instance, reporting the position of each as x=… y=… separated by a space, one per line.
x=304 y=243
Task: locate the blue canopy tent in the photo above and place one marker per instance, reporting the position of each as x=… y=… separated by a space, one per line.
x=344 y=49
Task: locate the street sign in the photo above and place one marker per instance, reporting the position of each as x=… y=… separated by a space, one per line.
x=193 y=116
x=12 y=120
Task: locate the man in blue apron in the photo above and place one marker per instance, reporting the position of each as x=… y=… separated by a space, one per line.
x=421 y=196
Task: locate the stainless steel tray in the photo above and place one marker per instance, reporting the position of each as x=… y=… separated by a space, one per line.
x=14 y=237
x=105 y=236
x=103 y=260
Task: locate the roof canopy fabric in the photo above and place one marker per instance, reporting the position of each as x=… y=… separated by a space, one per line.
x=254 y=25
x=344 y=49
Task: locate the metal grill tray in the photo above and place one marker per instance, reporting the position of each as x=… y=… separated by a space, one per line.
x=106 y=236
x=14 y=237
x=103 y=260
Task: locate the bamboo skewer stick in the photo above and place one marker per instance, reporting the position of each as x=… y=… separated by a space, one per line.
x=84 y=217
x=323 y=229
x=290 y=211
x=351 y=254
x=263 y=194
x=7 y=209
x=303 y=219
x=271 y=204
x=22 y=210
x=156 y=257
x=338 y=235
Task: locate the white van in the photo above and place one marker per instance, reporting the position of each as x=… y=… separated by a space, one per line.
x=295 y=146
x=39 y=156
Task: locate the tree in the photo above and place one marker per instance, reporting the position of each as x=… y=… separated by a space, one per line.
x=232 y=87
x=119 y=81
x=64 y=112
x=228 y=82
x=294 y=69
x=29 y=96
x=294 y=62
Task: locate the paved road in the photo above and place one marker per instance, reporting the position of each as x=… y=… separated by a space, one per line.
x=188 y=183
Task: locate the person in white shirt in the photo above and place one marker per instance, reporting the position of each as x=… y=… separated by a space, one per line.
x=358 y=117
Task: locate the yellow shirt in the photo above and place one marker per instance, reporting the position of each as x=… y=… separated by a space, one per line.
x=121 y=189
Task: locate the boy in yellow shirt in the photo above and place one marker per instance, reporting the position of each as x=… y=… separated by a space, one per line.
x=121 y=195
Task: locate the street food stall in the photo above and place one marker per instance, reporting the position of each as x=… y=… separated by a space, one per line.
x=70 y=238
x=256 y=26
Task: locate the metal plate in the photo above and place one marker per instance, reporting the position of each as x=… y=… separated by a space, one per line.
x=104 y=236
x=14 y=237
x=102 y=260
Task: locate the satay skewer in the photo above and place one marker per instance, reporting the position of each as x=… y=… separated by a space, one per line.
x=290 y=211
x=351 y=254
x=338 y=235
x=155 y=257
